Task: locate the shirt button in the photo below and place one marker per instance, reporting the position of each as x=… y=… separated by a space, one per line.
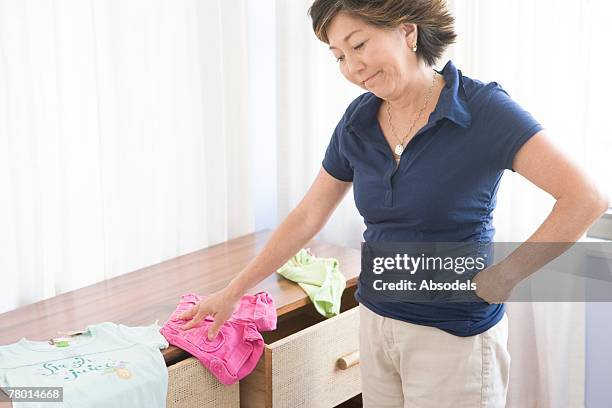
x=216 y=366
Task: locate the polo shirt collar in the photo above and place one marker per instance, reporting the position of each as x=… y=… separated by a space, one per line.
x=451 y=104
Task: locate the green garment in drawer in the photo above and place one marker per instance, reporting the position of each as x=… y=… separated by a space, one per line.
x=320 y=278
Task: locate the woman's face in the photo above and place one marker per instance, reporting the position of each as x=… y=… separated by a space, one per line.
x=375 y=59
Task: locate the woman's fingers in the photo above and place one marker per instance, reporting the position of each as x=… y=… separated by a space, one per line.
x=218 y=305
x=192 y=322
x=201 y=314
x=215 y=327
x=188 y=314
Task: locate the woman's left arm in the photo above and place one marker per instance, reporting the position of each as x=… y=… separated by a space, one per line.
x=579 y=203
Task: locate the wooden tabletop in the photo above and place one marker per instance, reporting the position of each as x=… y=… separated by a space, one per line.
x=141 y=297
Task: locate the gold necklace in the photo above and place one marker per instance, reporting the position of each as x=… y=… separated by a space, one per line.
x=399 y=148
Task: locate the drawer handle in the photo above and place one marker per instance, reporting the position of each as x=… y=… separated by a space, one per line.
x=348 y=360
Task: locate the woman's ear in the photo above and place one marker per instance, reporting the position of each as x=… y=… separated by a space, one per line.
x=410 y=32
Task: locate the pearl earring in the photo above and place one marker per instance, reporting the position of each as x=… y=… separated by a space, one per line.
x=414 y=47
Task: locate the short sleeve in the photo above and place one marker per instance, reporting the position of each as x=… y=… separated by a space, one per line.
x=147 y=335
x=508 y=127
x=264 y=312
x=334 y=161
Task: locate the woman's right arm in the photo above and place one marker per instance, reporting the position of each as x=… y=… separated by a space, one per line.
x=299 y=227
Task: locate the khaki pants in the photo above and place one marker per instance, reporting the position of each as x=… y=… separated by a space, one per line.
x=405 y=365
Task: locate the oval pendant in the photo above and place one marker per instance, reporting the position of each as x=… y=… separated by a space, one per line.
x=399 y=149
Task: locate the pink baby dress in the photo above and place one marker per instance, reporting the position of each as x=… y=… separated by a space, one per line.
x=235 y=351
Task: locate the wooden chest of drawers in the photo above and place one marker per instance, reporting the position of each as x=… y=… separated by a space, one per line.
x=309 y=361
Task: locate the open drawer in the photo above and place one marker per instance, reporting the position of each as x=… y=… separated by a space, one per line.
x=308 y=361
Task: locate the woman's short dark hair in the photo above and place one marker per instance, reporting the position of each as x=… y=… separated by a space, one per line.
x=435 y=24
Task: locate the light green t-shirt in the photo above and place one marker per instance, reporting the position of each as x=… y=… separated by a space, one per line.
x=109 y=365
x=320 y=278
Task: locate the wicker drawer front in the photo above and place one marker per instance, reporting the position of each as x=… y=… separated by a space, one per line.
x=305 y=365
x=190 y=385
x=316 y=367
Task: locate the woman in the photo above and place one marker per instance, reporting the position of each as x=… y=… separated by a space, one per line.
x=424 y=151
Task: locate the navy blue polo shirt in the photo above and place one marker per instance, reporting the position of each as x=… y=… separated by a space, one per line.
x=445 y=187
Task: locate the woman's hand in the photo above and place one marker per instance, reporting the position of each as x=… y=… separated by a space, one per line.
x=219 y=305
x=494 y=284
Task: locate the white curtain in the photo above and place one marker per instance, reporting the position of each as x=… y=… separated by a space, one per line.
x=550 y=57
x=312 y=96
x=123 y=138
